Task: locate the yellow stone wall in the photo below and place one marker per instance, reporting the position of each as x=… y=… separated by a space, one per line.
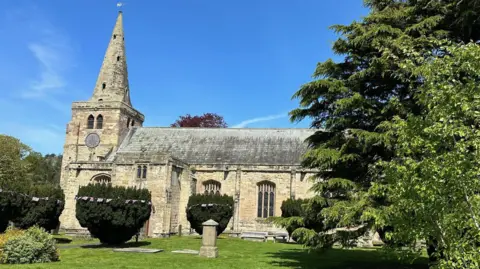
x=241 y=183
x=168 y=214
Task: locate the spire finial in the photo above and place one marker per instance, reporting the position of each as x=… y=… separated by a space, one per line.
x=120 y=5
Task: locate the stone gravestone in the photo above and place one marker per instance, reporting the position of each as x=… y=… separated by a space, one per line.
x=209 y=239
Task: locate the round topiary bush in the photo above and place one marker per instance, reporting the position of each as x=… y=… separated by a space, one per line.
x=201 y=208
x=35 y=245
x=112 y=214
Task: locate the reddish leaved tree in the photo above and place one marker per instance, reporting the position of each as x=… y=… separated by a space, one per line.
x=207 y=120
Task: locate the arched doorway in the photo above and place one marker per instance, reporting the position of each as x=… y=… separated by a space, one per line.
x=101 y=178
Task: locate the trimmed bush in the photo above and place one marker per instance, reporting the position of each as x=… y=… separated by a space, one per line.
x=9 y=208
x=110 y=213
x=24 y=210
x=201 y=208
x=44 y=213
x=301 y=215
x=292 y=208
x=3 y=224
x=34 y=246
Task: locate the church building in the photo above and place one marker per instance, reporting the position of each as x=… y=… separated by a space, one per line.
x=107 y=142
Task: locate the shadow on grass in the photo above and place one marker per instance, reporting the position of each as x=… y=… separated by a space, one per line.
x=125 y=245
x=340 y=259
x=62 y=240
x=200 y=237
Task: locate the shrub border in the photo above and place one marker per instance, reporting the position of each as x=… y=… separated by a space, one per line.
x=108 y=200
x=34 y=198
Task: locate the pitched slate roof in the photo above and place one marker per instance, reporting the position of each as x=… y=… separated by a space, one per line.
x=221 y=145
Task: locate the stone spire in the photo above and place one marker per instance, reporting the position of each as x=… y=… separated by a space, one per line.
x=112 y=81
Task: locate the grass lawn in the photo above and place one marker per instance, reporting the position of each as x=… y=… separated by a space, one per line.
x=233 y=253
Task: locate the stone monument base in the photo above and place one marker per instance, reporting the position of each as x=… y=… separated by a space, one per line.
x=209 y=252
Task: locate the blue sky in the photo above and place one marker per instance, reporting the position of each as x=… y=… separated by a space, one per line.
x=241 y=59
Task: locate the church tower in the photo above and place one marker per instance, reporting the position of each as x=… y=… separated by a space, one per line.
x=100 y=124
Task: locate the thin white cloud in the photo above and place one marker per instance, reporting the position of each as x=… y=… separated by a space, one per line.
x=52 y=54
x=45 y=78
x=245 y=123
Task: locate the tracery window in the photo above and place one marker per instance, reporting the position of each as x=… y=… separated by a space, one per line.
x=90 y=122
x=102 y=179
x=266 y=199
x=212 y=187
x=99 y=122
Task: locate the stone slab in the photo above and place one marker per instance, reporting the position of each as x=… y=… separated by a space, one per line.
x=186 y=251
x=138 y=250
x=254 y=236
x=255 y=239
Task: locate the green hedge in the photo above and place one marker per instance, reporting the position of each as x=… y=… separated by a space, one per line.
x=3 y=224
x=25 y=210
x=114 y=221
x=292 y=208
x=7 y=210
x=44 y=213
x=201 y=208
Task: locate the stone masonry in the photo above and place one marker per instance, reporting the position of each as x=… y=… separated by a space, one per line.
x=106 y=141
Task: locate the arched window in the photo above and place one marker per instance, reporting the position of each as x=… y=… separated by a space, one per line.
x=90 y=122
x=133 y=122
x=128 y=122
x=118 y=58
x=104 y=85
x=212 y=187
x=102 y=179
x=266 y=199
x=139 y=171
x=144 y=175
x=99 y=122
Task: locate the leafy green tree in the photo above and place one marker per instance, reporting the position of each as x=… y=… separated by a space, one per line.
x=12 y=163
x=348 y=100
x=116 y=217
x=44 y=169
x=433 y=180
x=28 y=174
x=202 y=207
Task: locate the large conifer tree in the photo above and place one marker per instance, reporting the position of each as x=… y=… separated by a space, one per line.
x=348 y=100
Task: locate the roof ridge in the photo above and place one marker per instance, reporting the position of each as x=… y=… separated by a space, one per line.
x=221 y=128
x=221 y=145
